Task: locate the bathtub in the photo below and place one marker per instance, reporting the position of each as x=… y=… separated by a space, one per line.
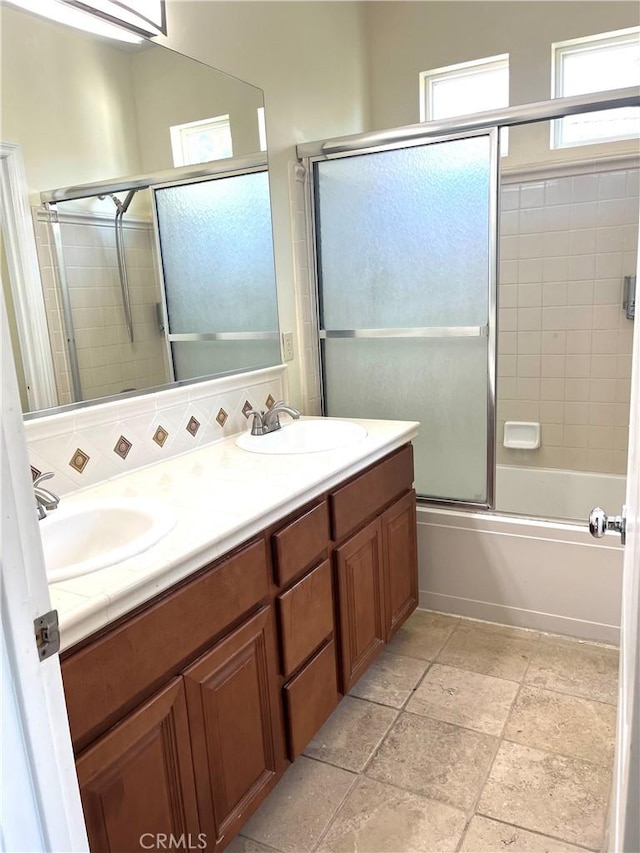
x=554 y=493
x=530 y=573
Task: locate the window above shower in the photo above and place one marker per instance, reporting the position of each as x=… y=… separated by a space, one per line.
x=201 y=141
x=465 y=88
x=595 y=64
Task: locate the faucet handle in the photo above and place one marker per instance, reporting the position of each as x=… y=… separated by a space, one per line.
x=41 y=477
x=257 y=425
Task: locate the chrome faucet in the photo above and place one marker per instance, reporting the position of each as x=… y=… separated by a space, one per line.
x=44 y=498
x=269 y=421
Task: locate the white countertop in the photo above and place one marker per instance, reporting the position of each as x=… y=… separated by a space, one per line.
x=223 y=496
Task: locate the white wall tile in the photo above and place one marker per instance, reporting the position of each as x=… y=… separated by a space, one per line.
x=613 y=212
x=530 y=270
x=558 y=191
x=555 y=269
x=582 y=241
x=554 y=293
x=584 y=188
x=585 y=215
x=529 y=295
x=532 y=194
x=612 y=185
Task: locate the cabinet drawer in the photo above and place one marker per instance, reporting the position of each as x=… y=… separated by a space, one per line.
x=301 y=543
x=310 y=697
x=363 y=497
x=306 y=617
x=104 y=680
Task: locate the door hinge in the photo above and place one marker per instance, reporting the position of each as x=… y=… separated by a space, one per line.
x=47 y=633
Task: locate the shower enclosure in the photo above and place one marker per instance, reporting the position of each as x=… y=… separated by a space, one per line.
x=178 y=284
x=466 y=296
x=475 y=320
x=406 y=257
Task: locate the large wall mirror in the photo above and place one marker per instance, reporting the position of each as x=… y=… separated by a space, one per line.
x=147 y=186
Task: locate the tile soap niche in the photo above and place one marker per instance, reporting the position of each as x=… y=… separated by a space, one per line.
x=522 y=435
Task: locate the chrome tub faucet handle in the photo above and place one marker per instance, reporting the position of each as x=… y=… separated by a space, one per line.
x=45 y=499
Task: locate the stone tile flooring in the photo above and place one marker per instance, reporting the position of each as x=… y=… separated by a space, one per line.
x=462 y=736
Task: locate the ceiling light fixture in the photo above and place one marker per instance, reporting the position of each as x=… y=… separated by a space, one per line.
x=74 y=17
x=144 y=17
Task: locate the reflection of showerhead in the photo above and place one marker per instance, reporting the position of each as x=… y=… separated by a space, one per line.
x=121 y=206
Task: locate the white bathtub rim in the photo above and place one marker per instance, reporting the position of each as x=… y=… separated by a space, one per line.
x=489 y=521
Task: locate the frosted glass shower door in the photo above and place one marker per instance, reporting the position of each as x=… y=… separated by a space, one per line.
x=406 y=272
x=219 y=282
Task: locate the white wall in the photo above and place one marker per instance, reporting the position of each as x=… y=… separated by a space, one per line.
x=84 y=109
x=309 y=60
x=67 y=101
x=172 y=89
x=406 y=38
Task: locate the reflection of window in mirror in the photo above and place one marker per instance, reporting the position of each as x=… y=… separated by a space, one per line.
x=593 y=64
x=201 y=141
x=466 y=88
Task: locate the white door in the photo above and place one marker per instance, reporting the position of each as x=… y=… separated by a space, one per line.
x=625 y=815
x=40 y=807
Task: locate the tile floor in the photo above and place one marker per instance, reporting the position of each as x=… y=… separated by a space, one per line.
x=462 y=736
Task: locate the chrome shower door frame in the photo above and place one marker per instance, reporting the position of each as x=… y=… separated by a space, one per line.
x=442 y=130
x=488 y=331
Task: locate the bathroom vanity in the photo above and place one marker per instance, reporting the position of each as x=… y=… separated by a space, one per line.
x=186 y=710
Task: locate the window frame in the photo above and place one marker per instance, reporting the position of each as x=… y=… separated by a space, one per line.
x=581 y=45
x=461 y=69
x=177 y=134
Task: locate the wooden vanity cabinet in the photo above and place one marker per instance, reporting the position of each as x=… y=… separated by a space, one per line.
x=361 y=590
x=183 y=714
x=400 y=562
x=234 y=717
x=376 y=567
x=139 y=778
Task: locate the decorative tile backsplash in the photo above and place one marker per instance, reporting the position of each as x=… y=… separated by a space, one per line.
x=88 y=445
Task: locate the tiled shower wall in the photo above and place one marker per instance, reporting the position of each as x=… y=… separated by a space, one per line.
x=564 y=345
x=108 y=362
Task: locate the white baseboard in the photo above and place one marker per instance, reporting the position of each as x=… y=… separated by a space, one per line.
x=521 y=572
x=551 y=623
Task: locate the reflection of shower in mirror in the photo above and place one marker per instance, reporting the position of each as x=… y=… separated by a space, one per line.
x=121 y=209
x=172 y=270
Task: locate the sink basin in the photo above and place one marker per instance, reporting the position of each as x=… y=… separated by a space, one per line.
x=80 y=539
x=304 y=436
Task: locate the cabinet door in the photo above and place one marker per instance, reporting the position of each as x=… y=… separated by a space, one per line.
x=236 y=726
x=400 y=562
x=361 y=601
x=137 y=781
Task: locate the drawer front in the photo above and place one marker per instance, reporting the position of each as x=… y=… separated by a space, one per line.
x=362 y=498
x=306 y=617
x=298 y=545
x=310 y=697
x=104 y=680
